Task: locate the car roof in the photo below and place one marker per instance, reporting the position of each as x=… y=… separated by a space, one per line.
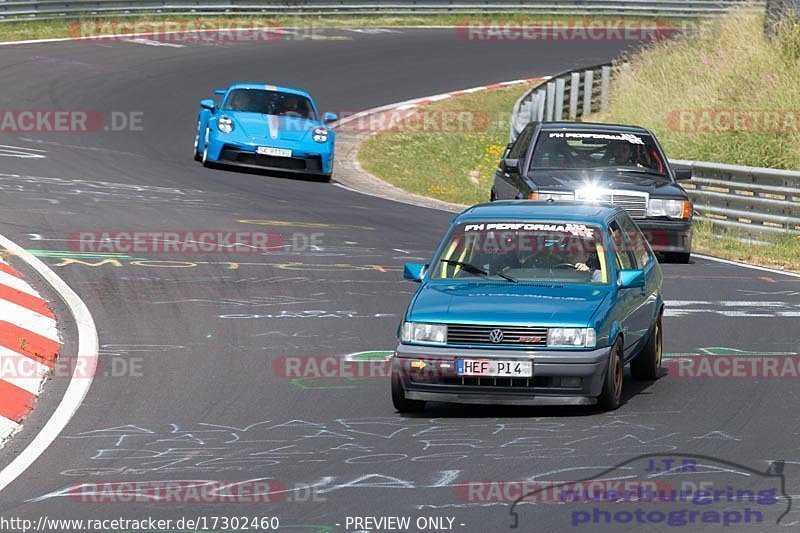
x=267 y=87
x=561 y=211
x=593 y=126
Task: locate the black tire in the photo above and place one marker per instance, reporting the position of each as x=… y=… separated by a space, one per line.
x=401 y=403
x=647 y=365
x=322 y=178
x=197 y=156
x=611 y=396
x=204 y=159
x=678 y=257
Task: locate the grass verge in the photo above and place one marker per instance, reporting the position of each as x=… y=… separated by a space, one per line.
x=454 y=166
x=725 y=94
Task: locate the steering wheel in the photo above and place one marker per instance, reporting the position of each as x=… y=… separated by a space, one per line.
x=564 y=265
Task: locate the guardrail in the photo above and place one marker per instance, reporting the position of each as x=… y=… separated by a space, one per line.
x=755 y=201
x=14 y=10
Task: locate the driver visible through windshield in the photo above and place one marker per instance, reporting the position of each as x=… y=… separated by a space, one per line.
x=523 y=251
x=269 y=103
x=576 y=150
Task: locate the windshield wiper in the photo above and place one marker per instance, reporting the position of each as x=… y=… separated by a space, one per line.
x=478 y=271
x=648 y=171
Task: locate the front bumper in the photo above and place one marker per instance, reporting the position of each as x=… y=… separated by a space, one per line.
x=667 y=235
x=250 y=159
x=438 y=380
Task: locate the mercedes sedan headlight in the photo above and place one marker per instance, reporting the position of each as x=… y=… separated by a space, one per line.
x=554 y=196
x=225 y=124
x=661 y=207
x=424 y=333
x=571 y=338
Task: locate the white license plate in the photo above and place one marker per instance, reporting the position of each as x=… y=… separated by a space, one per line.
x=494 y=368
x=277 y=152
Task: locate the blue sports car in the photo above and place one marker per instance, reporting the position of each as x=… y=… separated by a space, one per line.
x=531 y=303
x=265 y=127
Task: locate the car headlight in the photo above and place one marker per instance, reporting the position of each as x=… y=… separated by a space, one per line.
x=660 y=207
x=571 y=338
x=424 y=333
x=554 y=196
x=321 y=135
x=225 y=124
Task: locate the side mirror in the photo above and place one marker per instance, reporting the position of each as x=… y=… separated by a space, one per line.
x=512 y=165
x=414 y=271
x=221 y=92
x=208 y=104
x=327 y=118
x=631 y=279
x=683 y=174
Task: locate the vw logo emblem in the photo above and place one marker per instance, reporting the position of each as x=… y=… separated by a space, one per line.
x=496 y=336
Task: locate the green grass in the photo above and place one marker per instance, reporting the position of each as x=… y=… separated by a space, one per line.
x=729 y=66
x=781 y=251
x=451 y=166
x=49 y=29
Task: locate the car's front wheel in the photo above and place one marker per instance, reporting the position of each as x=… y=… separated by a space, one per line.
x=401 y=403
x=611 y=396
x=197 y=155
x=647 y=364
x=206 y=162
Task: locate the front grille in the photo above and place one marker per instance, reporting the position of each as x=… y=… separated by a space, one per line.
x=473 y=381
x=483 y=335
x=635 y=205
x=311 y=165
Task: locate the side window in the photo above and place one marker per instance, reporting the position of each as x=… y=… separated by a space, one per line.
x=522 y=143
x=622 y=253
x=637 y=241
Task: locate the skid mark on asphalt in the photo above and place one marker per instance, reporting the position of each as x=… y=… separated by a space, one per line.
x=732 y=308
x=21 y=152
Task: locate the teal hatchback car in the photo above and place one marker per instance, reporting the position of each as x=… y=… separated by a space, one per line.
x=529 y=303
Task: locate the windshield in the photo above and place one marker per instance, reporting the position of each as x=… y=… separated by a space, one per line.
x=523 y=251
x=269 y=103
x=578 y=150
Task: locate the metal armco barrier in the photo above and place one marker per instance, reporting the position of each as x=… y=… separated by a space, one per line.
x=750 y=200
x=11 y=10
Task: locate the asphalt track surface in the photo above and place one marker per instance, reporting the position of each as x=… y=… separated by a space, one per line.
x=206 y=404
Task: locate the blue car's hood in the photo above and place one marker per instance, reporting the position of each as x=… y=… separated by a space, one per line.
x=507 y=303
x=260 y=127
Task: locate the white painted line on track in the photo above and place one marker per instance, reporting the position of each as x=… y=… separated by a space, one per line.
x=81 y=381
x=745 y=265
